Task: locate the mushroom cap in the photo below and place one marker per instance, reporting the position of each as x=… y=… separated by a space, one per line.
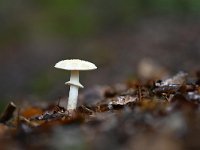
x=75 y=64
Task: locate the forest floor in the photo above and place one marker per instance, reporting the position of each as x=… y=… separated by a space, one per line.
x=138 y=114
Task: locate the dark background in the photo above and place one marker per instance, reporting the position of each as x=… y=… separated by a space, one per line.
x=116 y=35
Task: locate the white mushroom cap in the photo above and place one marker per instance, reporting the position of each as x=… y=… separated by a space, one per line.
x=75 y=64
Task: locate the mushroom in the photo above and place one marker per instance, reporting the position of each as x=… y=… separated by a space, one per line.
x=74 y=65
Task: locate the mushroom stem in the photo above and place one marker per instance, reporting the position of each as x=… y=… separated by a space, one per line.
x=73 y=97
x=73 y=92
x=74 y=76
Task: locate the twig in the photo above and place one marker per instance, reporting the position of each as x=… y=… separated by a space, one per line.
x=8 y=113
x=139 y=93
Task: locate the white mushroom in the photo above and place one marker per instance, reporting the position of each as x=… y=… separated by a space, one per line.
x=74 y=65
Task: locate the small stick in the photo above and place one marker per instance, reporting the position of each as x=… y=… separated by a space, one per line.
x=139 y=93
x=8 y=113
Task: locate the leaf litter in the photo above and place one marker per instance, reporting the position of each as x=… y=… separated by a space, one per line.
x=163 y=114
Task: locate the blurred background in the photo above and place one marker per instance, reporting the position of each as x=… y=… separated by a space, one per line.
x=119 y=36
